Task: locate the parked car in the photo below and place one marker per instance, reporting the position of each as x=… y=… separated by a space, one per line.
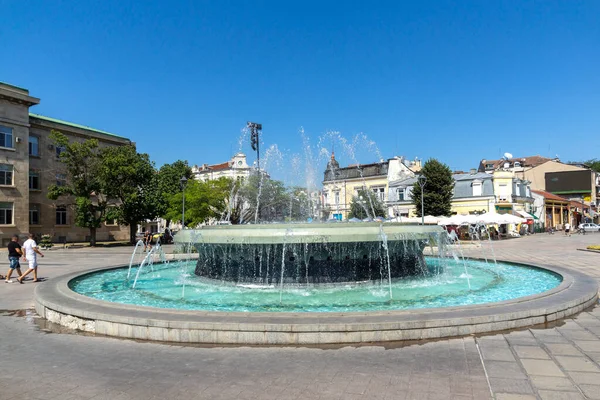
x=589 y=227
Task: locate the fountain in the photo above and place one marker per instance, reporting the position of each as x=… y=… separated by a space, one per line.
x=311 y=283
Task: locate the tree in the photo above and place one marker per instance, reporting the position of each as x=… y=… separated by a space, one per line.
x=437 y=191
x=273 y=200
x=594 y=164
x=168 y=182
x=203 y=201
x=366 y=204
x=130 y=178
x=83 y=187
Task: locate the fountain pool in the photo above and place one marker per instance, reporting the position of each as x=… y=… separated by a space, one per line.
x=163 y=288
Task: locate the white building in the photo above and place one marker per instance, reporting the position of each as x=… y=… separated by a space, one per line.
x=236 y=168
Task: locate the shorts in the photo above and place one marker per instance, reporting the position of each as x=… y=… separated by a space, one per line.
x=32 y=262
x=567 y=230
x=14 y=262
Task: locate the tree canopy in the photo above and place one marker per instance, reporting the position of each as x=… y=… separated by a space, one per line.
x=82 y=187
x=130 y=178
x=366 y=204
x=437 y=191
x=168 y=184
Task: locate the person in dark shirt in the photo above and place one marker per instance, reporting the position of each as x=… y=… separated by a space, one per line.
x=14 y=253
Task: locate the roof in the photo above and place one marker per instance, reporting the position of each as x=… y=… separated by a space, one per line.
x=218 y=167
x=528 y=161
x=14 y=86
x=404 y=182
x=549 y=196
x=74 y=125
x=468 y=177
x=358 y=171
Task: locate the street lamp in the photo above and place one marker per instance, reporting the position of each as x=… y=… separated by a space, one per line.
x=422 y=179
x=255 y=130
x=182 y=183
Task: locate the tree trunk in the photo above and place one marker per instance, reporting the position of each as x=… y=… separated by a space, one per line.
x=93 y=237
x=132 y=230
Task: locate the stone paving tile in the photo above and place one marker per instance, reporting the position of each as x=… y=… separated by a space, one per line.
x=580 y=364
x=531 y=352
x=512 y=396
x=585 y=378
x=503 y=385
x=494 y=353
x=588 y=345
x=563 y=349
x=503 y=369
x=552 y=383
x=553 y=395
x=541 y=367
x=591 y=391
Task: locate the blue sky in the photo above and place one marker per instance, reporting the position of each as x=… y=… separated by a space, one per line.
x=454 y=80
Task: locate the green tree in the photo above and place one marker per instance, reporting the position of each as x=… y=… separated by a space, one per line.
x=594 y=164
x=168 y=183
x=437 y=191
x=365 y=204
x=273 y=201
x=203 y=201
x=129 y=178
x=83 y=187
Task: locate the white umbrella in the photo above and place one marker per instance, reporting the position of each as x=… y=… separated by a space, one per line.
x=512 y=219
x=490 y=219
x=430 y=219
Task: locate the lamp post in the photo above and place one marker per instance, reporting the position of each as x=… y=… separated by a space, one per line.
x=255 y=130
x=183 y=183
x=422 y=179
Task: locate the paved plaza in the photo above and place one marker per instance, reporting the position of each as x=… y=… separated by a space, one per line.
x=559 y=362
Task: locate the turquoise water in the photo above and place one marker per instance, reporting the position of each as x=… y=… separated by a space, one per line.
x=175 y=286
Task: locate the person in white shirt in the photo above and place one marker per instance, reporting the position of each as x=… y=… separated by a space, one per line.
x=567 y=229
x=31 y=251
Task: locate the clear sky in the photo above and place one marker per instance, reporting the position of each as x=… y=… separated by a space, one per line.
x=455 y=80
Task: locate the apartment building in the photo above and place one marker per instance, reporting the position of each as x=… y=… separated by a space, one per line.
x=29 y=164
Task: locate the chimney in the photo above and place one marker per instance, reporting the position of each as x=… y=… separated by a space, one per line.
x=473 y=171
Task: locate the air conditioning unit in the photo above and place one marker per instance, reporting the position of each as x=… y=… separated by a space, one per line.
x=18 y=139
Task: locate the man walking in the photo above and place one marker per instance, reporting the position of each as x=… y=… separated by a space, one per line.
x=31 y=251
x=14 y=253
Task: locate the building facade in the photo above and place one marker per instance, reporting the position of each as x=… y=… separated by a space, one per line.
x=236 y=168
x=29 y=164
x=341 y=184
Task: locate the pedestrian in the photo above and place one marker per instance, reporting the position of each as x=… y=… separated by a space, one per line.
x=31 y=251
x=147 y=241
x=567 y=229
x=14 y=253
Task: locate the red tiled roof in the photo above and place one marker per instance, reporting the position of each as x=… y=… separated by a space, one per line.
x=529 y=161
x=218 y=167
x=550 y=196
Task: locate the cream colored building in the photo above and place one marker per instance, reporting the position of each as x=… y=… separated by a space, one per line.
x=29 y=165
x=236 y=168
x=341 y=184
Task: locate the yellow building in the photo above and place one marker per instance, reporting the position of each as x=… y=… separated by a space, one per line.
x=340 y=185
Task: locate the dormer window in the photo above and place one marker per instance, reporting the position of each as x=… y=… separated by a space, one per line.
x=517 y=164
x=477 y=188
x=489 y=166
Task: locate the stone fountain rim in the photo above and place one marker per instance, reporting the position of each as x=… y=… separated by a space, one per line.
x=55 y=300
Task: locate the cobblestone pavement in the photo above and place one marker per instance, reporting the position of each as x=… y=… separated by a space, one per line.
x=561 y=362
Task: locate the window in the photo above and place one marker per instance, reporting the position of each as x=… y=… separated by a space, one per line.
x=59 y=150
x=518 y=189
x=503 y=192
x=379 y=192
x=6 y=213
x=110 y=222
x=337 y=197
x=401 y=194
x=34 y=214
x=6 y=174
x=61 y=216
x=34 y=147
x=324 y=197
x=61 y=180
x=517 y=164
x=34 y=180
x=477 y=186
x=489 y=166
x=6 y=137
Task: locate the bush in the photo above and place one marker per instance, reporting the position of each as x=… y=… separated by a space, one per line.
x=46 y=242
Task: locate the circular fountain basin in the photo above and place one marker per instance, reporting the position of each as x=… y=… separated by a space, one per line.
x=358 y=313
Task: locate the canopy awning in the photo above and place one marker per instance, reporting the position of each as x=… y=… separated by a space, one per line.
x=525 y=215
